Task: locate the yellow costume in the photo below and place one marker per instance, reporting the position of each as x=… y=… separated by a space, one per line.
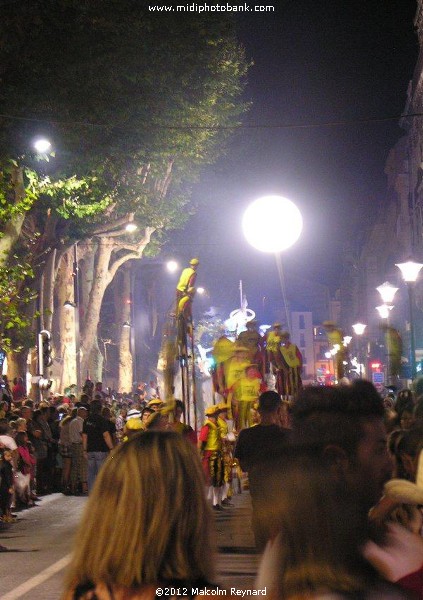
x=244 y=394
x=234 y=370
x=293 y=365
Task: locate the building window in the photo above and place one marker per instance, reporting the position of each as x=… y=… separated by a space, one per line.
x=301 y=322
x=302 y=340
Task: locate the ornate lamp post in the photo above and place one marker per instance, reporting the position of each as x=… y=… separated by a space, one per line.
x=410 y=271
x=358 y=329
x=387 y=293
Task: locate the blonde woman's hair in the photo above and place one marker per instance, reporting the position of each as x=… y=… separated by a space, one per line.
x=147 y=519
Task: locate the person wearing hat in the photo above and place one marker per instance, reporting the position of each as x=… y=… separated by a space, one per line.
x=132 y=426
x=336 y=340
x=133 y=413
x=235 y=366
x=243 y=394
x=158 y=420
x=155 y=404
x=228 y=439
x=252 y=339
x=186 y=279
x=274 y=356
x=184 y=320
x=210 y=445
x=223 y=350
x=292 y=367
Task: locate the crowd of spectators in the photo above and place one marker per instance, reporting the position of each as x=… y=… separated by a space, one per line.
x=41 y=441
x=337 y=500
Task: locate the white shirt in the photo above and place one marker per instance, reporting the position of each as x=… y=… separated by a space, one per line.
x=75 y=430
x=8 y=441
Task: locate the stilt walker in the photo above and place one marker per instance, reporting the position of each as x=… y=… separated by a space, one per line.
x=292 y=367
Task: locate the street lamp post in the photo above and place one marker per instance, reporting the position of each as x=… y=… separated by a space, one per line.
x=410 y=271
x=75 y=275
x=358 y=329
x=273 y=224
x=387 y=292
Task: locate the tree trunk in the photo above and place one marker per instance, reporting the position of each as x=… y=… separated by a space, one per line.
x=65 y=318
x=123 y=315
x=105 y=270
x=16 y=365
x=101 y=279
x=95 y=365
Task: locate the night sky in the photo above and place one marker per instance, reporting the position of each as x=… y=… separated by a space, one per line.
x=314 y=62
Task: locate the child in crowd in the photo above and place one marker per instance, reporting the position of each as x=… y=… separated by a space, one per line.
x=6 y=485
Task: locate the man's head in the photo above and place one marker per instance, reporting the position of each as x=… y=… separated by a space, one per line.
x=345 y=426
x=285 y=336
x=26 y=412
x=95 y=407
x=82 y=412
x=269 y=402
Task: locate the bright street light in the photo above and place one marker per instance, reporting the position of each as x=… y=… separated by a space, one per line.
x=172 y=266
x=410 y=271
x=42 y=145
x=359 y=328
x=383 y=310
x=272 y=224
x=387 y=292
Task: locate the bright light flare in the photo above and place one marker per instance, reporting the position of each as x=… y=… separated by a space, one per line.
x=42 y=145
x=383 y=310
x=200 y=291
x=131 y=227
x=410 y=270
x=272 y=224
x=359 y=328
x=172 y=266
x=387 y=292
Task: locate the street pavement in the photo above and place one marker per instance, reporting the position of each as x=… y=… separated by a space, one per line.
x=40 y=545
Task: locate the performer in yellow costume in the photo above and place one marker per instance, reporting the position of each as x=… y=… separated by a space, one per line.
x=336 y=339
x=186 y=279
x=293 y=365
x=274 y=356
x=228 y=441
x=235 y=366
x=243 y=394
x=251 y=339
x=210 y=445
x=223 y=350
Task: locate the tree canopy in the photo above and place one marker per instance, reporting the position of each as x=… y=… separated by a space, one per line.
x=135 y=104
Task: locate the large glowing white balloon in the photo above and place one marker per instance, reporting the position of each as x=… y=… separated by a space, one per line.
x=272 y=224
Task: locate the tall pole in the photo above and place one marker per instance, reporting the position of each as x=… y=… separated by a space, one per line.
x=132 y=331
x=279 y=265
x=410 y=286
x=77 y=324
